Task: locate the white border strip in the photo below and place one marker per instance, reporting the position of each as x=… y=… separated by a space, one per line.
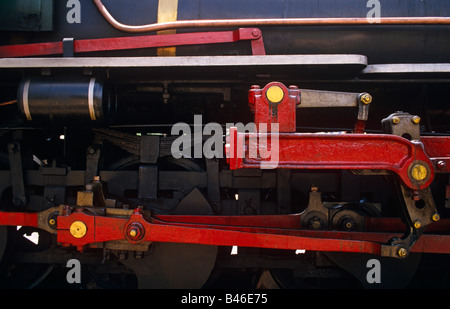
x=201 y=61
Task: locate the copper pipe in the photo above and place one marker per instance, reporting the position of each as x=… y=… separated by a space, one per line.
x=8 y=103
x=210 y=23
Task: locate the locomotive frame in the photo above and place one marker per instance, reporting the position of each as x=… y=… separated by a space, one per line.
x=113 y=194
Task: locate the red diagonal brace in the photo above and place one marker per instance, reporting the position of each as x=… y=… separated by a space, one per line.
x=101 y=229
x=134 y=42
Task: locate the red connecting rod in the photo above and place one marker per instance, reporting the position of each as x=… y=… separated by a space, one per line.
x=333 y=151
x=80 y=228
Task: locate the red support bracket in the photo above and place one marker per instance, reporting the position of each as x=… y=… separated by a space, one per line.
x=275 y=103
x=253 y=35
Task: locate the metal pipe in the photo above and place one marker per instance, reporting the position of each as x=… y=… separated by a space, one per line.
x=211 y=23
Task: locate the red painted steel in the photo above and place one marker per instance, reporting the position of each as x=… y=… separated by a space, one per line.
x=271 y=231
x=101 y=229
x=267 y=112
x=19 y=219
x=330 y=151
x=147 y=41
x=438 y=149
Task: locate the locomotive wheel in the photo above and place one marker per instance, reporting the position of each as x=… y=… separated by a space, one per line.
x=17 y=275
x=176 y=265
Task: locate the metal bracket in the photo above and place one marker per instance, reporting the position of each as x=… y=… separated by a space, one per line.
x=68 y=47
x=148 y=169
x=419 y=211
x=15 y=162
x=92 y=158
x=402 y=124
x=321 y=99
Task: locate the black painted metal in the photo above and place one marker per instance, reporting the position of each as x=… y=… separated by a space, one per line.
x=381 y=44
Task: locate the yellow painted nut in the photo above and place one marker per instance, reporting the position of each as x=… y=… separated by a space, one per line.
x=52 y=221
x=436 y=217
x=395 y=120
x=78 y=229
x=275 y=94
x=417 y=224
x=133 y=233
x=366 y=98
x=415 y=119
x=419 y=172
x=402 y=252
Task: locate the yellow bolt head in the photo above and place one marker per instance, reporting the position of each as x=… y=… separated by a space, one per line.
x=417 y=224
x=395 y=120
x=275 y=94
x=435 y=217
x=78 y=229
x=52 y=221
x=366 y=98
x=402 y=252
x=133 y=233
x=415 y=119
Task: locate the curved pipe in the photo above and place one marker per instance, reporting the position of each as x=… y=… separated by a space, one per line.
x=210 y=23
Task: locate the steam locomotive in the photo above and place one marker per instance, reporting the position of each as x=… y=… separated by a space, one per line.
x=203 y=144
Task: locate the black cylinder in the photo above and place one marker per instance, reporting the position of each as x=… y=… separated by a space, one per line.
x=66 y=101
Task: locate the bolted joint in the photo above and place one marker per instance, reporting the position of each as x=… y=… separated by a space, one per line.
x=436 y=217
x=135 y=231
x=415 y=120
x=365 y=98
x=395 y=120
x=402 y=252
x=417 y=224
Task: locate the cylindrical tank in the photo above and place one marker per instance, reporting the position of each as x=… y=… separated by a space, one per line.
x=380 y=43
x=59 y=100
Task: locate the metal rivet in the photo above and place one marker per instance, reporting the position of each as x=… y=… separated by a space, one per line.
x=441 y=164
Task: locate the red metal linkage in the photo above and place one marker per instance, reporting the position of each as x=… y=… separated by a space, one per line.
x=19 y=219
x=273 y=231
x=101 y=229
x=329 y=151
x=134 y=42
x=438 y=149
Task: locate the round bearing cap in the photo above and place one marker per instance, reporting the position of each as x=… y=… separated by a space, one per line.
x=78 y=229
x=275 y=94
